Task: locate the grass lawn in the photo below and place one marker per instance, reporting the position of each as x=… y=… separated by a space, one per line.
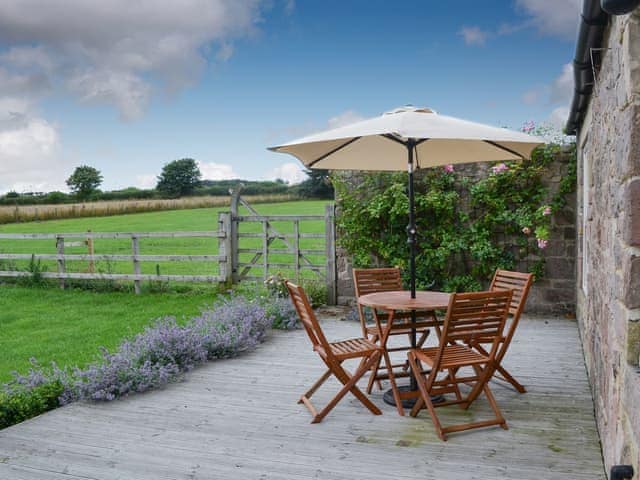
x=69 y=326
x=202 y=219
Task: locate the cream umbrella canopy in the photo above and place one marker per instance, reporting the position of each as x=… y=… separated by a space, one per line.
x=409 y=138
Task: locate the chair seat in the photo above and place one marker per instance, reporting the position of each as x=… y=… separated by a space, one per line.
x=353 y=348
x=452 y=356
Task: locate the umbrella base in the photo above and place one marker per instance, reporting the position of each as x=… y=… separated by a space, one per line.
x=410 y=401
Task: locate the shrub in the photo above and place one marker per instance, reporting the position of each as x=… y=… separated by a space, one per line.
x=21 y=402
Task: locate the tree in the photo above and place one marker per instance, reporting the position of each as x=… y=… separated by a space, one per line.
x=179 y=177
x=318 y=185
x=84 y=181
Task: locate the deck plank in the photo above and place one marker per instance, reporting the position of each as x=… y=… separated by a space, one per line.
x=238 y=419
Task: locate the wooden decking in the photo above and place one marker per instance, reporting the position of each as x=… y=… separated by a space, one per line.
x=238 y=419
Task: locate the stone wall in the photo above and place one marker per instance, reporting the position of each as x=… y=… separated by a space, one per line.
x=553 y=294
x=608 y=283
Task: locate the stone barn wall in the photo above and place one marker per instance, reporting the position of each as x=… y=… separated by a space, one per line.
x=553 y=294
x=608 y=283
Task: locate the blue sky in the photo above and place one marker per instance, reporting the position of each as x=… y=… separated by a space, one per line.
x=128 y=86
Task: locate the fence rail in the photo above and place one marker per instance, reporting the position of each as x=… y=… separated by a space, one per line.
x=239 y=255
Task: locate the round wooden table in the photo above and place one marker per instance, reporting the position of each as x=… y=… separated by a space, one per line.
x=400 y=300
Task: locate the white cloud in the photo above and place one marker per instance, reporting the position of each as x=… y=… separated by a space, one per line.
x=553 y=17
x=473 y=36
x=291 y=173
x=112 y=52
x=563 y=86
x=558 y=117
x=345 y=118
x=216 y=171
x=31 y=154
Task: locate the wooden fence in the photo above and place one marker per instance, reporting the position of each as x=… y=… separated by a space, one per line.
x=237 y=258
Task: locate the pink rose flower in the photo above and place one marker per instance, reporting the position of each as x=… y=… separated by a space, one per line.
x=542 y=243
x=499 y=168
x=547 y=211
x=448 y=168
x=529 y=126
x=526 y=230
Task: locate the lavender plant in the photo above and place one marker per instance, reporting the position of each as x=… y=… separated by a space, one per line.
x=155 y=357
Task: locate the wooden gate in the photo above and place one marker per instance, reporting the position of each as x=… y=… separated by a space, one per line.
x=263 y=245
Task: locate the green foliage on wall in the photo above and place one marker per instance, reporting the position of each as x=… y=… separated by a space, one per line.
x=467 y=227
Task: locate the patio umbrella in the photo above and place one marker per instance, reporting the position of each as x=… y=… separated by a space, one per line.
x=409 y=138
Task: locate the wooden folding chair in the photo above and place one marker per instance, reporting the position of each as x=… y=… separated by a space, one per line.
x=477 y=316
x=373 y=280
x=333 y=355
x=519 y=283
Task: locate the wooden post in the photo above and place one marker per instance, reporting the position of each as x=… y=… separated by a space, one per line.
x=296 y=249
x=265 y=248
x=224 y=246
x=135 y=251
x=61 y=266
x=92 y=266
x=234 y=237
x=330 y=249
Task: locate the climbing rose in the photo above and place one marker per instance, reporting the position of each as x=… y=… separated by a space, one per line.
x=547 y=211
x=448 y=168
x=528 y=127
x=526 y=230
x=499 y=168
x=542 y=243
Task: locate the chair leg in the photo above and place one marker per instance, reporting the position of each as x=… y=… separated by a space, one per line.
x=425 y=397
x=506 y=376
x=392 y=381
x=349 y=385
x=494 y=406
x=372 y=377
x=309 y=393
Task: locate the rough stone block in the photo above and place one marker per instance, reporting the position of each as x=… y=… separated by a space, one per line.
x=632 y=293
x=570 y=233
x=560 y=268
x=560 y=295
x=633 y=343
x=631 y=223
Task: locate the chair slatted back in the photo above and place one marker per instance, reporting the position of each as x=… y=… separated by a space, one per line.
x=476 y=317
x=519 y=282
x=307 y=317
x=372 y=280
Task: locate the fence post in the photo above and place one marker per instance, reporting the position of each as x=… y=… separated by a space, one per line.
x=234 y=237
x=224 y=246
x=265 y=248
x=90 y=250
x=296 y=248
x=330 y=248
x=135 y=251
x=61 y=265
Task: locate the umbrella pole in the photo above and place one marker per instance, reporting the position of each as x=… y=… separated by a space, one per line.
x=411 y=240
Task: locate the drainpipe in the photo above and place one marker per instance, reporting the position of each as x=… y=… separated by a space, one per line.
x=593 y=21
x=621 y=472
x=619 y=7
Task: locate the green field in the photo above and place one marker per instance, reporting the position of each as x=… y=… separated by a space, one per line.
x=204 y=219
x=69 y=326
